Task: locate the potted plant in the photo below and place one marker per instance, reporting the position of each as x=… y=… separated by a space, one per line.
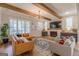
x=4 y=33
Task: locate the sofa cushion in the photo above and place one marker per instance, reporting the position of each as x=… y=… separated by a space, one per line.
x=13 y=38
x=17 y=39
x=23 y=39
x=25 y=34
x=68 y=42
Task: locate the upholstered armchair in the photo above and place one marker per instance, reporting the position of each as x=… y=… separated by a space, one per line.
x=41 y=47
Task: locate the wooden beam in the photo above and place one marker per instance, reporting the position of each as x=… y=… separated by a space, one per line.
x=9 y=6
x=47 y=9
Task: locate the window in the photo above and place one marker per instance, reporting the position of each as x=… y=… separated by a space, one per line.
x=23 y=26
x=19 y=26
x=27 y=27
x=13 y=26
x=69 y=23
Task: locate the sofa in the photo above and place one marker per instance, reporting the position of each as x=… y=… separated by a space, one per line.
x=53 y=47
x=20 y=45
x=27 y=36
x=62 y=50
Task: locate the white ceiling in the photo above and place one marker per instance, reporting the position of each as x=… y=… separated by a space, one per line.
x=32 y=8
x=62 y=9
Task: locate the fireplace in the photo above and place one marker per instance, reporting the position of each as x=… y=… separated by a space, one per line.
x=53 y=33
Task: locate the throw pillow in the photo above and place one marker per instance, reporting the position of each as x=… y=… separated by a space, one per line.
x=68 y=42
x=18 y=39
x=23 y=39
x=61 y=41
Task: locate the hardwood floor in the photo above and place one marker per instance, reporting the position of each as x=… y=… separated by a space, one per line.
x=6 y=50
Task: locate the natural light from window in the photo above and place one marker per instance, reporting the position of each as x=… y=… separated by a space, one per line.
x=69 y=22
x=19 y=26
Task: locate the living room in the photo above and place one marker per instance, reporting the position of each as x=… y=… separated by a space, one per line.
x=37 y=29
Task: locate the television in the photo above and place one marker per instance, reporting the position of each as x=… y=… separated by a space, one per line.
x=55 y=24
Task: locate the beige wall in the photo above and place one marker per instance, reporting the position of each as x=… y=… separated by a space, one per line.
x=77 y=6
x=0 y=19
x=6 y=14
x=75 y=21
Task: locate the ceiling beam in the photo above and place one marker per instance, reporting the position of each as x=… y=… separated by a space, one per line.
x=47 y=9
x=9 y=6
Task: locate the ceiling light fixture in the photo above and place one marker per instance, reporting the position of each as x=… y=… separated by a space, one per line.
x=39 y=15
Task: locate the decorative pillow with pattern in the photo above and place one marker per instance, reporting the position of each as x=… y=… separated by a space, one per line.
x=68 y=42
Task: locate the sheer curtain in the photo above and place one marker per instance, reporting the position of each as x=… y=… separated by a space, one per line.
x=19 y=26
x=69 y=22
x=13 y=26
